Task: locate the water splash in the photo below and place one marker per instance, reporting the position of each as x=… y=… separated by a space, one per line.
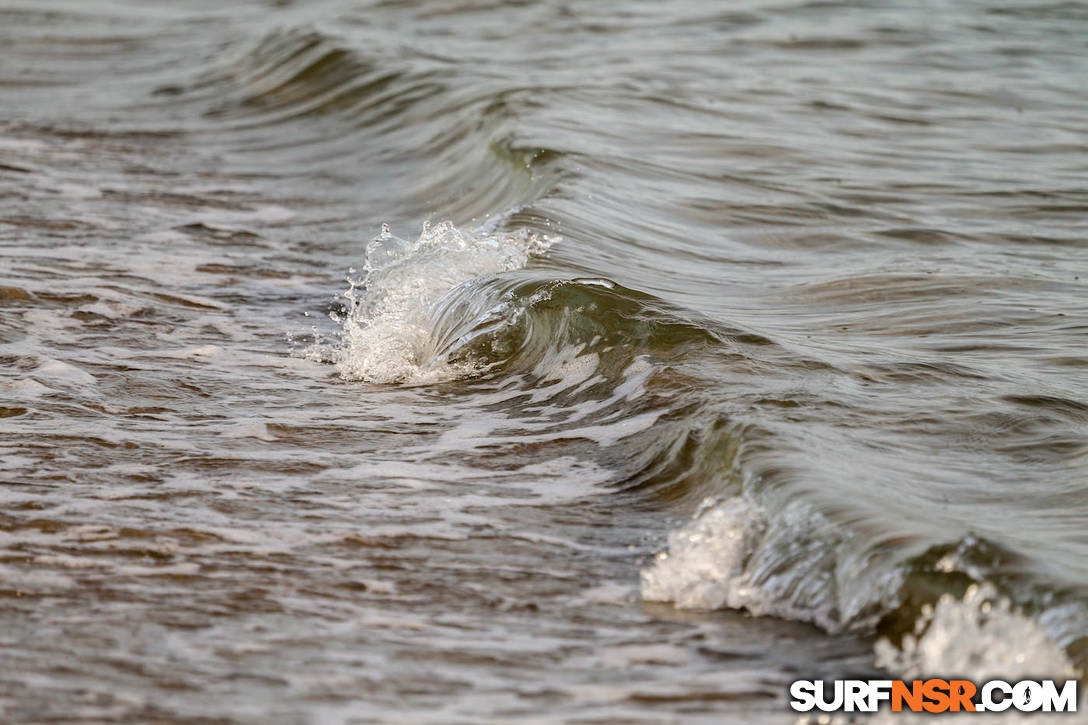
x=731 y=556
x=705 y=565
x=980 y=636
x=719 y=560
x=386 y=335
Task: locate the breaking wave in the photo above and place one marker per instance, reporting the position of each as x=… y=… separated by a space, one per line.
x=485 y=304
x=928 y=616
x=386 y=330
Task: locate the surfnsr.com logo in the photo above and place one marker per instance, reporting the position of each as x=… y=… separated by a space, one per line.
x=933 y=695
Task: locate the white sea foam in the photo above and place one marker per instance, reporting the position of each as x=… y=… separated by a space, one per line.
x=62 y=373
x=730 y=556
x=386 y=335
x=712 y=561
x=980 y=637
x=706 y=564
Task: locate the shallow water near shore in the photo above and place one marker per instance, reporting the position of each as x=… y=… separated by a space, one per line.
x=557 y=362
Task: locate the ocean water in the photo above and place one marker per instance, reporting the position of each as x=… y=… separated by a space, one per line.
x=582 y=362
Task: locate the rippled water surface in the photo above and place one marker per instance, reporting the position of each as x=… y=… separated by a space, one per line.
x=708 y=346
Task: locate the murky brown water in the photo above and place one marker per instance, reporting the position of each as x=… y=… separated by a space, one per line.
x=754 y=333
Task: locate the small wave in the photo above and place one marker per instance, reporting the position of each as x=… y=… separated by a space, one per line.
x=300 y=71
x=454 y=303
x=734 y=555
x=515 y=323
x=981 y=636
x=330 y=104
x=386 y=332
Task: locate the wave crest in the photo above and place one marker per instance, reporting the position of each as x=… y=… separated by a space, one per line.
x=937 y=613
x=386 y=333
x=980 y=636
